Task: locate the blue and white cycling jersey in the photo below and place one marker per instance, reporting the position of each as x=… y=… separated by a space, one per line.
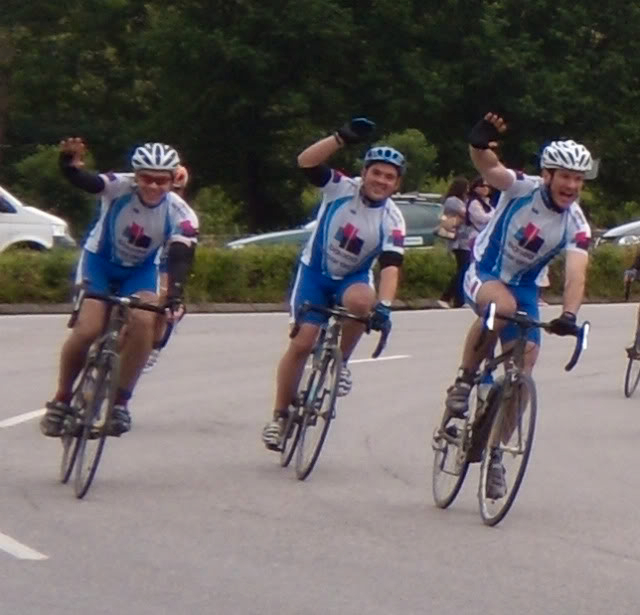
x=351 y=233
x=129 y=233
x=526 y=233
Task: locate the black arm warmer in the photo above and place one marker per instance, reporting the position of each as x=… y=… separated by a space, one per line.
x=179 y=265
x=318 y=176
x=390 y=259
x=90 y=182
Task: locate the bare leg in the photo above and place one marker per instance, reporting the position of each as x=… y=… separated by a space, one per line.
x=291 y=365
x=74 y=351
x=359 y=299
x=138 y=342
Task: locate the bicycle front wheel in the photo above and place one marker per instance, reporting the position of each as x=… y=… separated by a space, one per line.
x=95 y=423
x=72 y=427
x=631 y=377
x=318 y=412
x=508 y=449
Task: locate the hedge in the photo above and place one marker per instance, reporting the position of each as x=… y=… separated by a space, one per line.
x=263 y=275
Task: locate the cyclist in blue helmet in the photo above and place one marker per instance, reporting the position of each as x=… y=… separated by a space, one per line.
x=357 y=224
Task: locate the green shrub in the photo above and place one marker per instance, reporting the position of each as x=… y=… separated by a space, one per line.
x=263 y=274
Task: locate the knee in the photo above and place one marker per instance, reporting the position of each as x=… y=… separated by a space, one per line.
x=360 y=306
x=141 y=321
x=85 y=332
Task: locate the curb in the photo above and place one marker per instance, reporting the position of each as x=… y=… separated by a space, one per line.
x=201 y=308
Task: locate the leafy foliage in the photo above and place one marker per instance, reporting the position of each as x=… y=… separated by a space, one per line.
x=240 y=88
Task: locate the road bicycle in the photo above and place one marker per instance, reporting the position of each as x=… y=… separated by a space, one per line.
x=500 y=424
x=314 y=407
x=85 y=429
x=632 y=373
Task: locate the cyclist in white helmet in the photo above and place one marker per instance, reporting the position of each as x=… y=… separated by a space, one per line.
x=357 y=224
x=138 y=215
x=536 y=218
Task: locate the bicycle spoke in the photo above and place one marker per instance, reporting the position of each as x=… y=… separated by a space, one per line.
x=632 y=376
x=317 y=414
x=95 y=420
x=509 y=443
x=449 y=462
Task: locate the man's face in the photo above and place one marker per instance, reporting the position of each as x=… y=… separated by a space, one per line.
x=153 y=185
x=565 y=185
x=380 y=180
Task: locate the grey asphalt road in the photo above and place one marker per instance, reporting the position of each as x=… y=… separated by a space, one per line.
x=189 y=514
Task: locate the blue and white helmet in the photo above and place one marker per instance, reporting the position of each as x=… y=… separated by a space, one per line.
x=384 y=153
x=155 y=157
x=566 y=155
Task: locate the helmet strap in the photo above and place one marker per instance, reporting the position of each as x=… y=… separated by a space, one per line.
x=545 y=192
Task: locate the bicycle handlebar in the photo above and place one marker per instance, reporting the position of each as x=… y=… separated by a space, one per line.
x=130 y=302
x=341 y=313
x=524 y=321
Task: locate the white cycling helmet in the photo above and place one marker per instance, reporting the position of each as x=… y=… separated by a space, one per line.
x=155 y=157
x=566 y=155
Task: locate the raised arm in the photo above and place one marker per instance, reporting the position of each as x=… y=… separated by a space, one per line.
x=484 y=136
x=72 y=152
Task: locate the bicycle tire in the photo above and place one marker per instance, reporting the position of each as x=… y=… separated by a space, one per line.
x=494 y=510
x=317 y=415
x=447 y=482
x=97 y=420
x=70 y=440
x=631 y=379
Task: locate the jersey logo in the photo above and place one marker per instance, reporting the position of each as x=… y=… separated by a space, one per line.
x=347 y=237
x=187 y=229
x=529 y=238
x=397 y=238
x=582 y=240
x=135 y=235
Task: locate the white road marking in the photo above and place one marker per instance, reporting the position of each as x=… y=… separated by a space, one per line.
x=34 y=414
x=17 y=549
x=22 y=418
x=389 y=358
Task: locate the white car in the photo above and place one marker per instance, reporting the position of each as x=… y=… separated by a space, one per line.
x=23 y=225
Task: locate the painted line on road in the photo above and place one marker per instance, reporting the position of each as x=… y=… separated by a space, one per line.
x=390 y=358
x=17 y=549
x=22 y=418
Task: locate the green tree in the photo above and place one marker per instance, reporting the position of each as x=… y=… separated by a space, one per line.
x=40 y=183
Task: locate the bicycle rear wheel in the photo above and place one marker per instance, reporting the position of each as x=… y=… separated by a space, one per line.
x=72 y=427
x=450 y=463
x=511 y=439
x=291 y=434
x=318 y=412
x=95 y=422
x=631 y=377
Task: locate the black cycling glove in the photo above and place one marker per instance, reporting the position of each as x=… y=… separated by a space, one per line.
x=356 y=130
x=565 y=325
x=482 y=134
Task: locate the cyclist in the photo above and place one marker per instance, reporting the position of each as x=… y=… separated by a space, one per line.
x=357 y=223
x=180 y=181
x=535 y=219
x=138 y=215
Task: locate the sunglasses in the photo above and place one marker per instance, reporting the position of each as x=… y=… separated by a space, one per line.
x=161 y=181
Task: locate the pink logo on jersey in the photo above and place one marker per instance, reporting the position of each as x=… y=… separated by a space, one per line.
x=582 y=240
x=135 y=235
x=529 y=237
x=187 y=229
x=397 y=238
x=347 y=237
